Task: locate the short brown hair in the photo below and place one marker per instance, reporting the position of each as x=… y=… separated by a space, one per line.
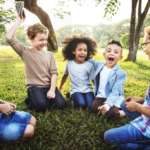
x=34 y=29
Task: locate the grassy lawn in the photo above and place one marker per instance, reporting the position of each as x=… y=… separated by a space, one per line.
x=67 y=129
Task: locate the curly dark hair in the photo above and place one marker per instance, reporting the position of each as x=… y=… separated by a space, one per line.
x=71 y=44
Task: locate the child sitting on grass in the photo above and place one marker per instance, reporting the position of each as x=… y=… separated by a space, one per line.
x=40 y=67
x=15 y=125
x=109 y=83
x=136 y=134
x=80 y=68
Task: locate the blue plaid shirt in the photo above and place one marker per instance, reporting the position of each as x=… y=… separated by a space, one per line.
x=142 y=122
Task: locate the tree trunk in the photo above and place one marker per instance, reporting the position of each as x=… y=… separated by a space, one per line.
x=32 y=6
x=131 y=56
x=136 y=30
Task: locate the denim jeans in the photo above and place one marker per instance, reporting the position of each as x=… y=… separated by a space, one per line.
x=12 y=127
x=37 y=99
x=127 y=137
x=83 y=100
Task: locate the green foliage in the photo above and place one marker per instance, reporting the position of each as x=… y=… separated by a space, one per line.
x=5 y=17
x=101 y=33
x=5 y=14
x=67 y=129
x=112 y=7
x=124 y=40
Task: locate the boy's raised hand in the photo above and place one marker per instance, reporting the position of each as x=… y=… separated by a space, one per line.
x=19 y=19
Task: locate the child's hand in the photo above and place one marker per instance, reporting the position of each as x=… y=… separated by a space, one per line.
x=13 y=105
x=132 y=105
x=51 y=94
x=7 y=108
x=104 y=108
x=18 y=19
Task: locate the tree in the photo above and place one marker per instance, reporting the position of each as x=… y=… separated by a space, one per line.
x=136 y=25
x=5 y=17
x=136 y=21
x=33 y=7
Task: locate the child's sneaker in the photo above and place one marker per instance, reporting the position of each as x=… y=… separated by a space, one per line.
x=113 y=113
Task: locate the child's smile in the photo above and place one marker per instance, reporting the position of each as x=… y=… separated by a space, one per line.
x=112 y=55
x=80 y=53
x=40 y=41
x=111 y=59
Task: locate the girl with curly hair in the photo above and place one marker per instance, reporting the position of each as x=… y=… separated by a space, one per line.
x=80 y=68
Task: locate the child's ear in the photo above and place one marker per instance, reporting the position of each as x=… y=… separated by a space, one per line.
x=73 y=52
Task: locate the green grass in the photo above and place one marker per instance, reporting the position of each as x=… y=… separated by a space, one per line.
x=67 y=129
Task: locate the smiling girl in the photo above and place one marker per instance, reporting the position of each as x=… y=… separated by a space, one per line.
x=80 y=68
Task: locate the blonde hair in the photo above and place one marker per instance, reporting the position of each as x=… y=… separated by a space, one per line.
x=34 y=29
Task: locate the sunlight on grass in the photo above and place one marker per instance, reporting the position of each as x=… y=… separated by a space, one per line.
x=66 y=129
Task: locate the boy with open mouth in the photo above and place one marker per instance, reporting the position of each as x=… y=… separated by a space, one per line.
x=109 y=83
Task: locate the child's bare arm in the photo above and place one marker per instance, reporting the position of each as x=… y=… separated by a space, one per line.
x=11 y=32
x=63 y=80
x=51 y=92
x=10 y=38
x=137 y=107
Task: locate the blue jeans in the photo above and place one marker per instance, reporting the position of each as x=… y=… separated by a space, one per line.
x=127 y=137
x=12 y=127
x=37 y=99
x=83 y=100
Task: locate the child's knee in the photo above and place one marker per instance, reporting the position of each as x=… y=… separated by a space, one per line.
x=11 y=132
x=82 y=104
x=107 y=136
x=29 y=131
x=33 y=121
x=110 y=136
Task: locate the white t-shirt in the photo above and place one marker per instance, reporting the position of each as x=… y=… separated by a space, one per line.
x=104 y=74
x=80 y=76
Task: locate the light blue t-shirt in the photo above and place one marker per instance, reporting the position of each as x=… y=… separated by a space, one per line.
x=80 y=76
x=142 y=122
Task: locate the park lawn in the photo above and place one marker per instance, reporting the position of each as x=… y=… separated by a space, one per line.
x=67 y=129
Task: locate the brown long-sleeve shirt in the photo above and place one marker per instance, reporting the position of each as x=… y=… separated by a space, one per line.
x=39 y=65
